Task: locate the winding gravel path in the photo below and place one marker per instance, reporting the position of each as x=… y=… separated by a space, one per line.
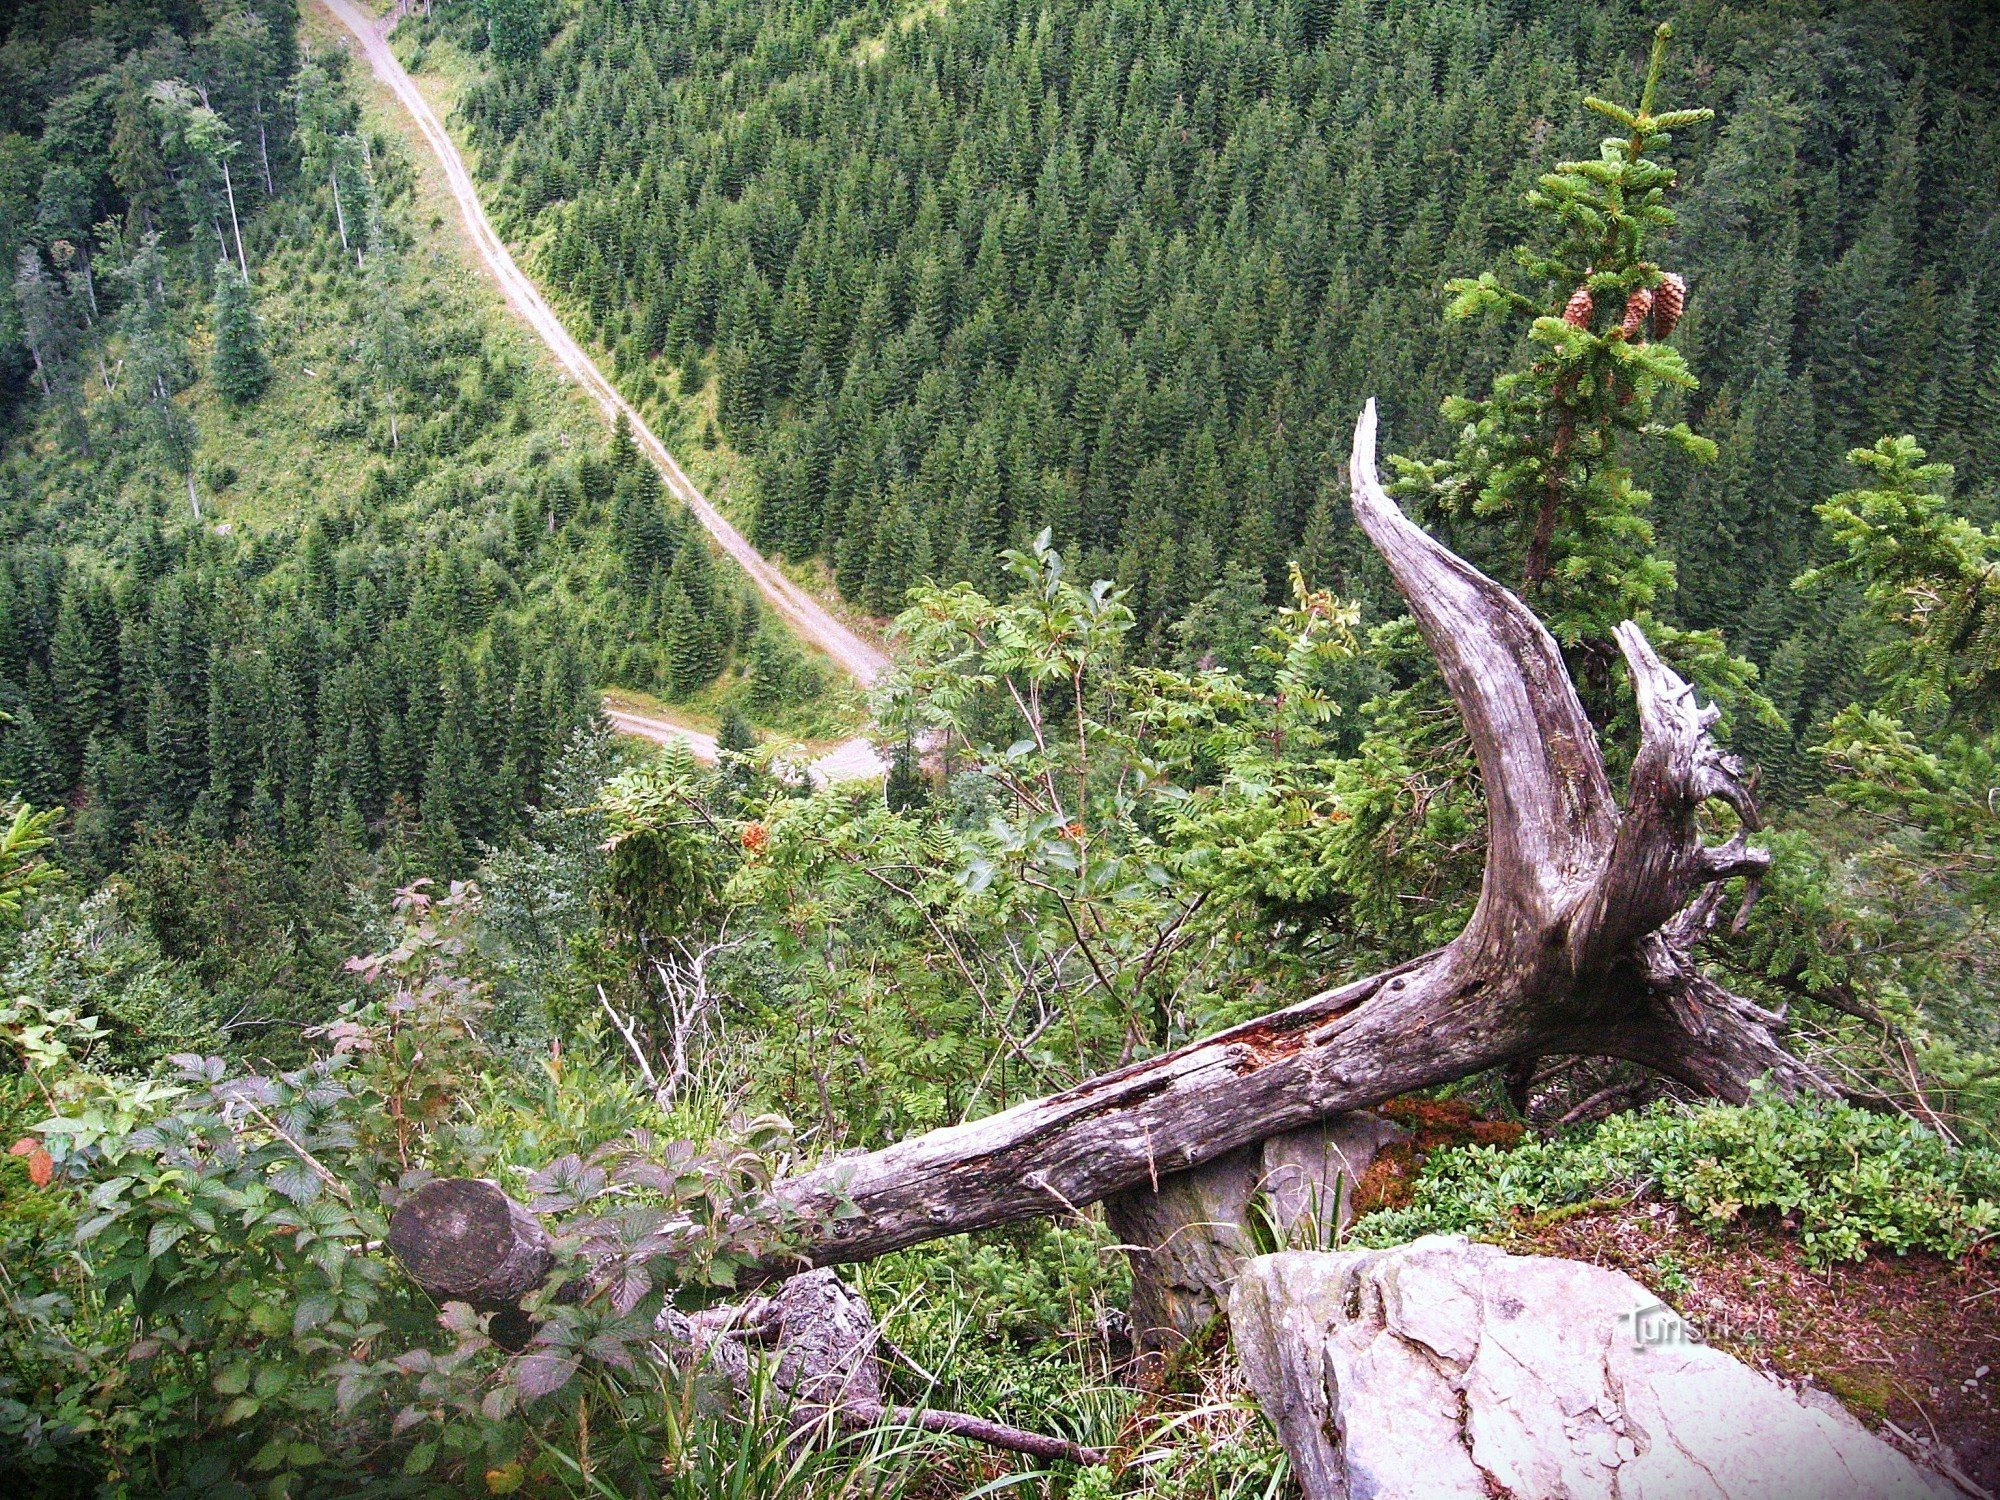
x=851 y=760
x=804 y=615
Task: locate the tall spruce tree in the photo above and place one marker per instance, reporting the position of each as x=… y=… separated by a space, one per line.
x=156 y=362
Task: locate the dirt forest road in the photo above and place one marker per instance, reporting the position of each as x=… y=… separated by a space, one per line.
x=851 y=760
x=802 y=613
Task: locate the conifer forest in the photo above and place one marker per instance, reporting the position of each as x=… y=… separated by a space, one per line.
x=719 y=719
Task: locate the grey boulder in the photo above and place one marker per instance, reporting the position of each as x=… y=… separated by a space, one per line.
x=1444 y=1368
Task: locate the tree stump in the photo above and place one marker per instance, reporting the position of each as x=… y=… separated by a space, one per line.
x=464 y=1240
x=1585 y=941
x=1187 y=1238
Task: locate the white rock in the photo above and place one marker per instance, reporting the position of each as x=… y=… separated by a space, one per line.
x=1445 y=1368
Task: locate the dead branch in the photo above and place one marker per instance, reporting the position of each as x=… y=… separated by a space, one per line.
x=1583 y=942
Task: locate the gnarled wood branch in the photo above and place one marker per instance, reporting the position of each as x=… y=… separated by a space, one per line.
x=1576 y=945
x=1582 y=941
x=463 y=1240
x=1549 y=811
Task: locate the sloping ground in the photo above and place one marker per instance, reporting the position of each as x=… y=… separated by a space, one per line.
x=1909 y=1343
x=809 y=620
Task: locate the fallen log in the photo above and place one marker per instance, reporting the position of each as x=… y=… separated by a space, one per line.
x=1583 y=942
x=463 y=1239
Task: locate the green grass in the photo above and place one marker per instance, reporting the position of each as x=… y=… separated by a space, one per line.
x=686 y=712
x=684 y=418
x=294 y=451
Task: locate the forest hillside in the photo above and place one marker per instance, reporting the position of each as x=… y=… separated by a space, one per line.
x=1589 y=798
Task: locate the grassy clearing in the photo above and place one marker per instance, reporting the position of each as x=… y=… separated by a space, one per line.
x=293 y=453
x=871 y=47
x=685 y=418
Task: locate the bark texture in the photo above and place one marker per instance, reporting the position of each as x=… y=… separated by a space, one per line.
x=463 y=1240
x=1583 y=941
x=1187 y=1237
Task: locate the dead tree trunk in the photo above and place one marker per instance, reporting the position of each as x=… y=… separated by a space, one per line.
x=1582 y=941
x=1187 y=1235
x=463 y=1240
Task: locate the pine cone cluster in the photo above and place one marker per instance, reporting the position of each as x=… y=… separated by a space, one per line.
x=1661 y=307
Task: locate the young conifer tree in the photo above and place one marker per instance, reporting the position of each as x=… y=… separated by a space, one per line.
x=155 y=362
x=1538 y=493
x=1542 y=456
x=238 y=362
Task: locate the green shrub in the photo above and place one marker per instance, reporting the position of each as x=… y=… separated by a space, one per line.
x=196 y=1287
x=1849 y=1180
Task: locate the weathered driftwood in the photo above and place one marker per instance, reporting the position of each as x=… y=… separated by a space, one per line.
x=1582 y=941
x=1187 y=1238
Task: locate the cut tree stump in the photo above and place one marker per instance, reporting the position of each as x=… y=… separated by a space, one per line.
x=464 y=1240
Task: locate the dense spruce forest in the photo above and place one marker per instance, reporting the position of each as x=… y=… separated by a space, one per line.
x=1127 y=269
x=1033 y=337
x=307 y=577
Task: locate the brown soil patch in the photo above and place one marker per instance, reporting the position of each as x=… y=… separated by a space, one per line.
x=1910 y=1344
x=1433 y=1125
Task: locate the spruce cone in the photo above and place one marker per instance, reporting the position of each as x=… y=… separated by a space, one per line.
x=1669 y=302
x=1637 y=308
x=1577 y=311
